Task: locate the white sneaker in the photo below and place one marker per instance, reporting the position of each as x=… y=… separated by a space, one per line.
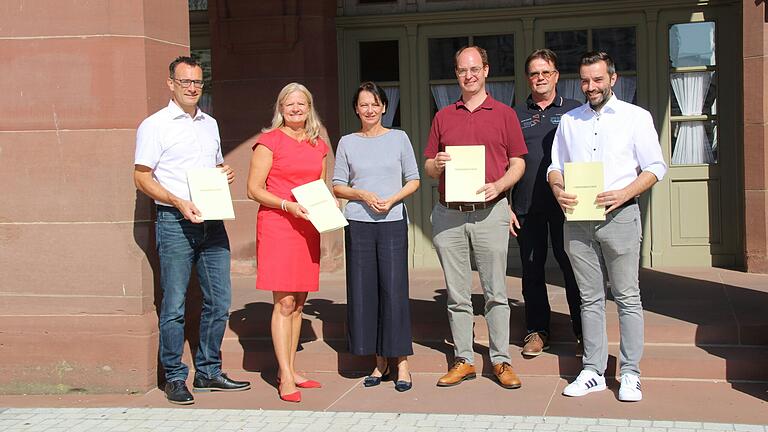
x=630 y=388
x=586 y=382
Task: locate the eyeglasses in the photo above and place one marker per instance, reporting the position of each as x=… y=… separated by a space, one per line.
x=188 y=82
x=475 y=71
x=544 y=74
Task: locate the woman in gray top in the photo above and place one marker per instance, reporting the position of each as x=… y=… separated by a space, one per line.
x=371 y=166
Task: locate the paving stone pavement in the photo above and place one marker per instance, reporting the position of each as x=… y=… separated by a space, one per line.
x=195 y=420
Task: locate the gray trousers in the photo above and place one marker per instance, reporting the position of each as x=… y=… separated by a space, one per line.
x=608 y=251
x=486 y=234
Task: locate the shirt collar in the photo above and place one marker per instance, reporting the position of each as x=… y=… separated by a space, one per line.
x=177 y=112
x=487 y=103
x=558 y=102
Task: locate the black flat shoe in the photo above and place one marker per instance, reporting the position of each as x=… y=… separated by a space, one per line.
x=176 y=392
x=372 y=381
x=219 y=383
x=402 y=386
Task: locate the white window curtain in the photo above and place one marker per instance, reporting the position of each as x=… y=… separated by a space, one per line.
x=445 y=94
x=570 y=88
x=393 y=98
x=503 y=92
x=692 y=145
x=625 y=88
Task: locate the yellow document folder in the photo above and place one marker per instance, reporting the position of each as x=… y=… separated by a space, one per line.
x=321 y=206
x=585 y=180
x=209 y=190
x=465 y=173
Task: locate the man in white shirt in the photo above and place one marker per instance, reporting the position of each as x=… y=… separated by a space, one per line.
x=621 y=136
x=171 y=141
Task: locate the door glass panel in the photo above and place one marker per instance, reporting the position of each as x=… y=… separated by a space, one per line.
x=501 y=53
x=379 y=61
x=620 y=44
x=569 y=46
x=692 y=44
x=693 y=93
x=441 y=53
x=695 y=142
x=693 y=82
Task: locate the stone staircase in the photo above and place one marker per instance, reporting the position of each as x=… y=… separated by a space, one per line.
x=705 y=324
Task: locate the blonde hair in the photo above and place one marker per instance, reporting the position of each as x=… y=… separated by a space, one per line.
x=312 y=126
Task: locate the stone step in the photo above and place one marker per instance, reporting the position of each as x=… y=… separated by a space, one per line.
x=430 y=324
x=685 y=362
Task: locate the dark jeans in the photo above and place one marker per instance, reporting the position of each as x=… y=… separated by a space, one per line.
x=536 y=228
x=181 y=244
x=378 y=310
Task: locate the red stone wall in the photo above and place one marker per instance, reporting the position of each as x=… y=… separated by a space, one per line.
x=77 y=292
x=755 y=37
x=258 y=47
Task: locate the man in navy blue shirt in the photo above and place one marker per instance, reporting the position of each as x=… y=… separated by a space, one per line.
x=536 y=215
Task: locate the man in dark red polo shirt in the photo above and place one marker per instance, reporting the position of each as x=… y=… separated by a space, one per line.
x=482 y=229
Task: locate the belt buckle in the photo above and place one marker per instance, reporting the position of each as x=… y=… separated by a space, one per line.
x=466 y=208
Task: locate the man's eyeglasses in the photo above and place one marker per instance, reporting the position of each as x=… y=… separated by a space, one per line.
x=475 y=71
x=544 y=74
x=188 y=82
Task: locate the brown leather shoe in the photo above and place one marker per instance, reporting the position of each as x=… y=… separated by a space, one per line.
x=506 y=376
x=535 y=344
x=460 y=371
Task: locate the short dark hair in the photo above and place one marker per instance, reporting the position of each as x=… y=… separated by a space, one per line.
x=592 y=57
x=182 y=59
x=482 y=52
x=544 y=54
x=378 y=93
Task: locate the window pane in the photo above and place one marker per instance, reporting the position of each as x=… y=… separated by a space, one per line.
x=694 y=143
x=620 y=44
x=692 y=44
x=441 y=53
x=693 y=93
x=379 y=61
x=569 y=46
x=501 y=53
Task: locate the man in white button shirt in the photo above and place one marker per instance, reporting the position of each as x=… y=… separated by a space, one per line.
x=621 y=136
x=171 y=141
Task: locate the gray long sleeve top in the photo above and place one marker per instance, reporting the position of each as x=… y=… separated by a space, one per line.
x=377 y=164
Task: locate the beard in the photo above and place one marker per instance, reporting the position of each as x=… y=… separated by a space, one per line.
x=604 y=94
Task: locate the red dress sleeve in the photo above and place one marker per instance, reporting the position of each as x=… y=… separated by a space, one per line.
x=270 y=140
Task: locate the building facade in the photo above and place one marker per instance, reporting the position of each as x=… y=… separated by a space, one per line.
x=77 y=302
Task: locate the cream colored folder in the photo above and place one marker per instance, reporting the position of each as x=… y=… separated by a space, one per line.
x=465 y=173
x=321 y=206
x=209 y=190
x=585 y=180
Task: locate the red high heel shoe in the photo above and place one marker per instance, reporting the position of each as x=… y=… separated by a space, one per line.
x=309 y=384
x=290 y=397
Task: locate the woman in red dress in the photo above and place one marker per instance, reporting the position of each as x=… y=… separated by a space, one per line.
x=289 y=153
